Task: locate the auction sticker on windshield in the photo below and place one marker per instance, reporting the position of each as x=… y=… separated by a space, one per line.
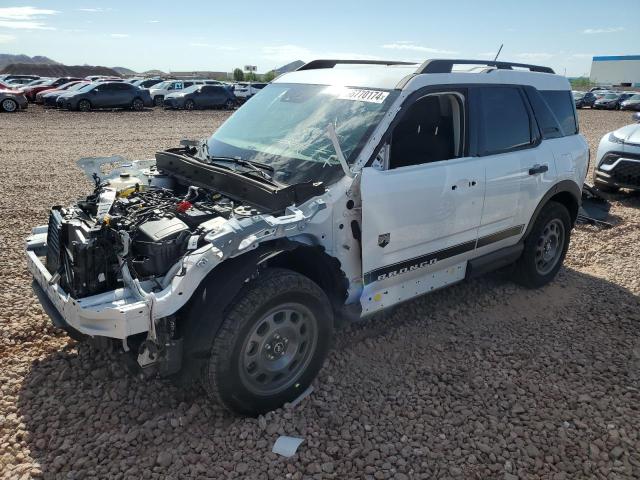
x=360 y=95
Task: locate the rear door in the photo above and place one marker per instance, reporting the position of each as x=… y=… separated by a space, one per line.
x=518 y=165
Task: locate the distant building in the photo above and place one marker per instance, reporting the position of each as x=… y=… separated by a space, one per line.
x=623 y=70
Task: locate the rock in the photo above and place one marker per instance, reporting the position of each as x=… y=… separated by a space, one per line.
x=616 y=452
x=327 y=467
x=164 y=459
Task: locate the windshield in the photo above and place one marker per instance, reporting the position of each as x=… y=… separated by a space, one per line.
x=635 y=97
x=578 y=94
x=161 y=85
x=285 y=127
x=610 y=96
x=190 y=89
x=79 y=86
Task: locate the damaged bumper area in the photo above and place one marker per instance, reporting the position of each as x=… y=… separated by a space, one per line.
x=123 y=261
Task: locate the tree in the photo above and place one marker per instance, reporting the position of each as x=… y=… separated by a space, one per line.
x=250 y=77
x=238 y=75
x=269 y=76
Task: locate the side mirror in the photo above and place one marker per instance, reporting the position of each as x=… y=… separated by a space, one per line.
x=636 y=117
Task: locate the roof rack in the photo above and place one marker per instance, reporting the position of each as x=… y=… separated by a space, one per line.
x=317 y=64
x=446 y=65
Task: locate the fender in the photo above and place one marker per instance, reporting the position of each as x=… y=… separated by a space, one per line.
x=201 y=318
x=567 y=186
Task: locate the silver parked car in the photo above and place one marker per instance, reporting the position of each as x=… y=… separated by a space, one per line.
x=12 y=100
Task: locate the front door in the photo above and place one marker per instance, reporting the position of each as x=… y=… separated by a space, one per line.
x=421 y=212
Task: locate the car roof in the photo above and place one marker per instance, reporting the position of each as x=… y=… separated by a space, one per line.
x=389 y=77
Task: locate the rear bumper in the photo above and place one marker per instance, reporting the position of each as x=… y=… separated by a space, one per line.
x=115 y=314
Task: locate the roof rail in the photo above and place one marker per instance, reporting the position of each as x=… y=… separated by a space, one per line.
x=317 y=64
x=446 y=65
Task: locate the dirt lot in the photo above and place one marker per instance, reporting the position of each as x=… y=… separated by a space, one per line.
x=482 y=380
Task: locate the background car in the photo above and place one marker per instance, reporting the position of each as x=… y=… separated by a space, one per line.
x=162 y=89
x=631 y=103
x=584 y=99
x=618 y=159
x=610 y=101
x=8 y=86
x=245 y=91
x=61 y=88
x=201 y=96
x=32 y=91
x=10 y=77
x=146 y=82
x=50 y=97
x=106 y=95
x=12 y=100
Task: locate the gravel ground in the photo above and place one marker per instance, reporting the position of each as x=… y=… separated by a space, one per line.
x=481 y=380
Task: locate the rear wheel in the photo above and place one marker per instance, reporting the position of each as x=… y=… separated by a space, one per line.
x=271 y=345
x=137 y=104
x=229 y=104
x=545 y=246
x=9 y=105
x=158 y=100
x=84 y=105
x=189 y=105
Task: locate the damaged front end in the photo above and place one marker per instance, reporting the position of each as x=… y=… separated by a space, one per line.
x=122 y=262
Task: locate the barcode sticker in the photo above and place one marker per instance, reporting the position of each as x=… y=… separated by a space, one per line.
x=360 y=95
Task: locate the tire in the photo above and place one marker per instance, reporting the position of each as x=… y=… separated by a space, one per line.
x=272 y=343
x=9 y=105
x=189 y=105
x=137 y=104
x=84 y=105
x=545 y=247
x=158 y=100
x=229 y=105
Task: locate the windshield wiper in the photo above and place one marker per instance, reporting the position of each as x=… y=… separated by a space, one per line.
x=256 y=167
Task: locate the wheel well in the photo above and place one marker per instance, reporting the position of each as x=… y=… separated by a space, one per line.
x=323 y=269
x=569 y=201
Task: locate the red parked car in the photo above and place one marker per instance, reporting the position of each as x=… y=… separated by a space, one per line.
x=31 y=92
x=61 y=88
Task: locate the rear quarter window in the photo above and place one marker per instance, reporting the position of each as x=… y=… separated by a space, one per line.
x=561 y=103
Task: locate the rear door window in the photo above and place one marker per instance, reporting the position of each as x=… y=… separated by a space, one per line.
x=504 y=120
x=562 y=106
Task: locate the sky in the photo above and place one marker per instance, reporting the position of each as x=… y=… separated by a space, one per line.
x=219 y=36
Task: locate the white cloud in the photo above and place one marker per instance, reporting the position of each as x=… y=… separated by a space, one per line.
x=25 y=18
x=215 y=47
x=405 y=45
x=582 y=55
x=535 y=55
x=6 y=38
x=152 y=21
x=120 y=35
x=591 y=31
x=94 y=9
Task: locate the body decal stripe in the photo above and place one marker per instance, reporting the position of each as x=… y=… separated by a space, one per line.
x=434 y=257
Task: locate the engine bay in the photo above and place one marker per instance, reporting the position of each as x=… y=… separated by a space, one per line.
x=139 y=221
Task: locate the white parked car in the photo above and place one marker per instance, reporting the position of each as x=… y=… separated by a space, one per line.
x=618 y=159
x=162 y=89
x=332 y=195
x=246 y=90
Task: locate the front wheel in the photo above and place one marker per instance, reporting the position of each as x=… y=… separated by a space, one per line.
x=84 y=105
x=229 y=104
x=9 y=105
x=544 y=247
x=271 y=345
x=158 y=100
x=189 y=105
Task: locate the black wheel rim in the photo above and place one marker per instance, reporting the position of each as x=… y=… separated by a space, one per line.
x=137 y=104
x=549 y=246
x=278 y=349
x=84 y=106
x=189 y=105
x=158 y=101
x=9 y=105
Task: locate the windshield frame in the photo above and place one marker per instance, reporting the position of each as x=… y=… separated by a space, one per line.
x=218 y=147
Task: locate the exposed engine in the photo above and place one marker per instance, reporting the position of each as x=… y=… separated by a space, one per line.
x=148 y=227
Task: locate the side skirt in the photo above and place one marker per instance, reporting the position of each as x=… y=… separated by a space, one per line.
x=494 y=260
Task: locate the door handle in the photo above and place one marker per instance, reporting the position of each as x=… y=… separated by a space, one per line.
x=537 y=169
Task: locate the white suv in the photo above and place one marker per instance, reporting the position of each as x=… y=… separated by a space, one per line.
x=341 y=189
x=162 y=89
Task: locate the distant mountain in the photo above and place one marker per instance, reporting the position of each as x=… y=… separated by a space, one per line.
x=289 y=67
x=56 y=70
x=7 y=58
x=124 y=71
x=154 y=73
